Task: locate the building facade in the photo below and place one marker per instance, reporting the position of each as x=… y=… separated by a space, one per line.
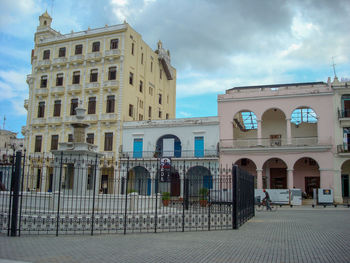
x=342 y=133
x=9 y=144
x=109 y=71
x=282 y=134
x=185 y=148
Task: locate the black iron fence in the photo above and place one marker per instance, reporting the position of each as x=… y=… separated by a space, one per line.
x=76 y=195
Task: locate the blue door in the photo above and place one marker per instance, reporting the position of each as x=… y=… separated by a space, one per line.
x=137 y=148
x=199 y=146
x=177 y=149
x=208 y=181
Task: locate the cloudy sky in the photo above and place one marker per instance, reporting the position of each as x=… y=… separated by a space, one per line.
x=214 y=45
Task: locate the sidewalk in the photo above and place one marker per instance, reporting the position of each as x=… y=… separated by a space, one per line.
x=288 y=235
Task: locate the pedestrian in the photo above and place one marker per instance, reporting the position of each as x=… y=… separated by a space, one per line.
x=267 y=200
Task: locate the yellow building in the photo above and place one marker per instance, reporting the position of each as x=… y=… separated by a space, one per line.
x=111 y=71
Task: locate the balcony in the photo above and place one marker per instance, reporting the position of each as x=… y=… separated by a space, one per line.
x=54 y=120
x=112 y=53
x=57 y=90
x=109 y=117
x=74 y=88
x=94 y=56
x=76 y=59
x=343 y=149
x=188 y=154
x=38 y=121
x=111 y=85
x=59 y=61
x=43 y=63
x=71 y=118
x=344 y=117
x=41 y=92
x=263 y=144
x=92 y=87
x=90 y=117
x=26 y=103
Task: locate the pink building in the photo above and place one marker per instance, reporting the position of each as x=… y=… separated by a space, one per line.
x=282 y=134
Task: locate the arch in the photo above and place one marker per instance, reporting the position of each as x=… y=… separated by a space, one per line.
x=304 y=122
x=245 y=125
x=345 y=179
x=172 y=148
x=139 y=180
x=171 y=182
x=249 y=166
x=273 y=126
x=275 y=174
x=199 y=177
x=306 y=175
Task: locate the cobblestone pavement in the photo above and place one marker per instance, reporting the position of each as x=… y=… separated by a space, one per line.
x=288 y=235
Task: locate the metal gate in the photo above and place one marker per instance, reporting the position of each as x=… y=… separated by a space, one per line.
x=140 y=196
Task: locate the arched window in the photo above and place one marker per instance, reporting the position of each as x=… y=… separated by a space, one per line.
x=303 y=115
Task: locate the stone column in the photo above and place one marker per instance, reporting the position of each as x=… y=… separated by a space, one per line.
x=259 y=178
x=43 y=178
x=290 y=179
x=80 y=178
x=338 y=198
x=259 y=132
x=97 y=179
x=56 y=176
x=289 y=131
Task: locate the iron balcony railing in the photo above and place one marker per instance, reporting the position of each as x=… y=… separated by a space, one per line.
x=171 y=154
x=268 y=142
x=344 y=113
x=343 y=148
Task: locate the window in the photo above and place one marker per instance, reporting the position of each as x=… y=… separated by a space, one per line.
x=90 y=138
x=138 y=145
x=160 y=99
x=78 y=49
x=159 y=114
x=43 y=81
x=62 y=52
x=41 y=109
x=54 y=142
x=93 y=75
x=46 y=54
x=160 y=74
x=151 y=66
x=108 y=141
x=140 y=117
x=199 y=146
x=57 y=108
x=73 y=105
x=59 y=79
x=132 y=48
x=141 y=86
x=114 y=44
x=112 y=73
x=70 y=137
x=37 y=146
x=92 y=105
x=131 y=78
x=149 y=112
x=306 y=115
x=142 y=59
x=110 y=104
x=96 y=47
x=150 y=91
x=167 y=116
x=131 y=110
x=141 y=104
x=167 y=99
x=76 y=77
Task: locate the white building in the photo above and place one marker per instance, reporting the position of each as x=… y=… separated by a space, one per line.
x=190 y=145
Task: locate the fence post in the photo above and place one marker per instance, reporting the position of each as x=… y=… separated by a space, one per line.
x=59 y=195
x=15 y=189
x=183 y=198
x=10 y=194
x=235 y=190
x=20 y=207
x=156 y=182
x=126 y=194
x=94 y=199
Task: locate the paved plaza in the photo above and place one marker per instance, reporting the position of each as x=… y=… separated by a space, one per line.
x=288 y=235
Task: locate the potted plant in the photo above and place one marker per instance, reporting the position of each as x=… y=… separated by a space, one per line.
x=165 y=198
x=203 y=197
